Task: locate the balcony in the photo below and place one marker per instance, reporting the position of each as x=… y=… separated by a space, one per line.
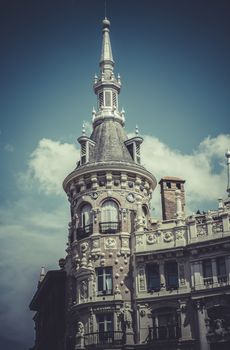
x=100 y=339
x=85 y=231
x=169 y=332
x=110 y=227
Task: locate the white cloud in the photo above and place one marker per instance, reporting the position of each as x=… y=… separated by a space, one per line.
x=204 y=169
x=49 y=164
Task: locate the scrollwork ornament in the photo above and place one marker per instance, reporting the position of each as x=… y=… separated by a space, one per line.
x=151 y=239
x=84 y=246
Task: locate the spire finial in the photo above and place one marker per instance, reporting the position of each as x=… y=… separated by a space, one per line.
x=137 y=130
x=227 y=155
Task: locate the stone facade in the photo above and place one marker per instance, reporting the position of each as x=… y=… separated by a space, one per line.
x=134 y=282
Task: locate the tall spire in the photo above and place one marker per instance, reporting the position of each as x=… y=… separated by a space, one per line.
x=107 y=86
x=106 y=52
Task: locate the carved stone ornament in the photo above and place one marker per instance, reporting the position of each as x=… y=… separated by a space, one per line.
x=110 y=243
x=94 y=195
x=130 y=198
x=84 y=246
x=96 y=243
x=151 y=239
x=201 y=230
x=179 y=234
x=168 y=237
x=139 y=240
x=84 y=290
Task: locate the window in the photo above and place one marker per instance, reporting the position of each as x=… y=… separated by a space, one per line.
x=178 y=185
x=100 y=98
x=83 y=153
x=109 y=217
x=165 y=325
x=105 y=328
x=153 y=277
x=85 y=226
x=104 y=280
x=114 y=99
x=107 y=98
x=138 y=153
x=221 y=269
x=168 y=184
x=171 y=275
x=207 y=272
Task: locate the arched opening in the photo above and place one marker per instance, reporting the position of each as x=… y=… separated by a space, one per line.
x=109 y=217
x=145 y=217
x=85 y=222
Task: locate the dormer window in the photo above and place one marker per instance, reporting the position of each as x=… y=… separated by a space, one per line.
x=86 y=147
x=134 y=147
x=84 y=152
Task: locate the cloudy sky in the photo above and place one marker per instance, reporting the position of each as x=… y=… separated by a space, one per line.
x=173 y=57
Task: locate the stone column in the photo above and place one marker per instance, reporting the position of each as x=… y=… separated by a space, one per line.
x=201 y=317
x=162 y=273
x=214 y=272
x=227 y=261
x=140 y=224
x=198 y=281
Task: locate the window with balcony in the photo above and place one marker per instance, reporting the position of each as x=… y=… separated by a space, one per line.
x=104 y=280
x=109 y=217
x=153 y=277
x=85 y=224
x=221 y=270
x=207 y=272
x=105 y=334
x=165 y=325
x=171 y=275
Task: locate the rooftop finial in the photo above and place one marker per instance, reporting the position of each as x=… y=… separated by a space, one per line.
x=137 y=130
x=227 y=155
x=83 y=129
x=42 y=274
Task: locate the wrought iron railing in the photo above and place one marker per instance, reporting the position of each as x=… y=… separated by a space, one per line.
x=84 y=231
x=104 y=338
x=208 y=281
x=110 y=227
x=164 y=332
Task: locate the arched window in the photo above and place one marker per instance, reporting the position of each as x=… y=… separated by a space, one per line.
x=85 y=224
x=109 y=217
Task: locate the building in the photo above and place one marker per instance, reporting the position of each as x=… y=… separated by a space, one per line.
x=129 y=281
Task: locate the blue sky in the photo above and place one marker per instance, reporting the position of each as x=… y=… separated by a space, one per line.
x=173 y=57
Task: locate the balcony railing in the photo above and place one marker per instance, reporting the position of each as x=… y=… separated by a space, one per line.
x=84 y=231
x=104 y=338
x=110 y=227
x=208 y=281
x=164 y=333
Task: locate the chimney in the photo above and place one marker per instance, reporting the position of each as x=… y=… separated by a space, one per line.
x=169 y=185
